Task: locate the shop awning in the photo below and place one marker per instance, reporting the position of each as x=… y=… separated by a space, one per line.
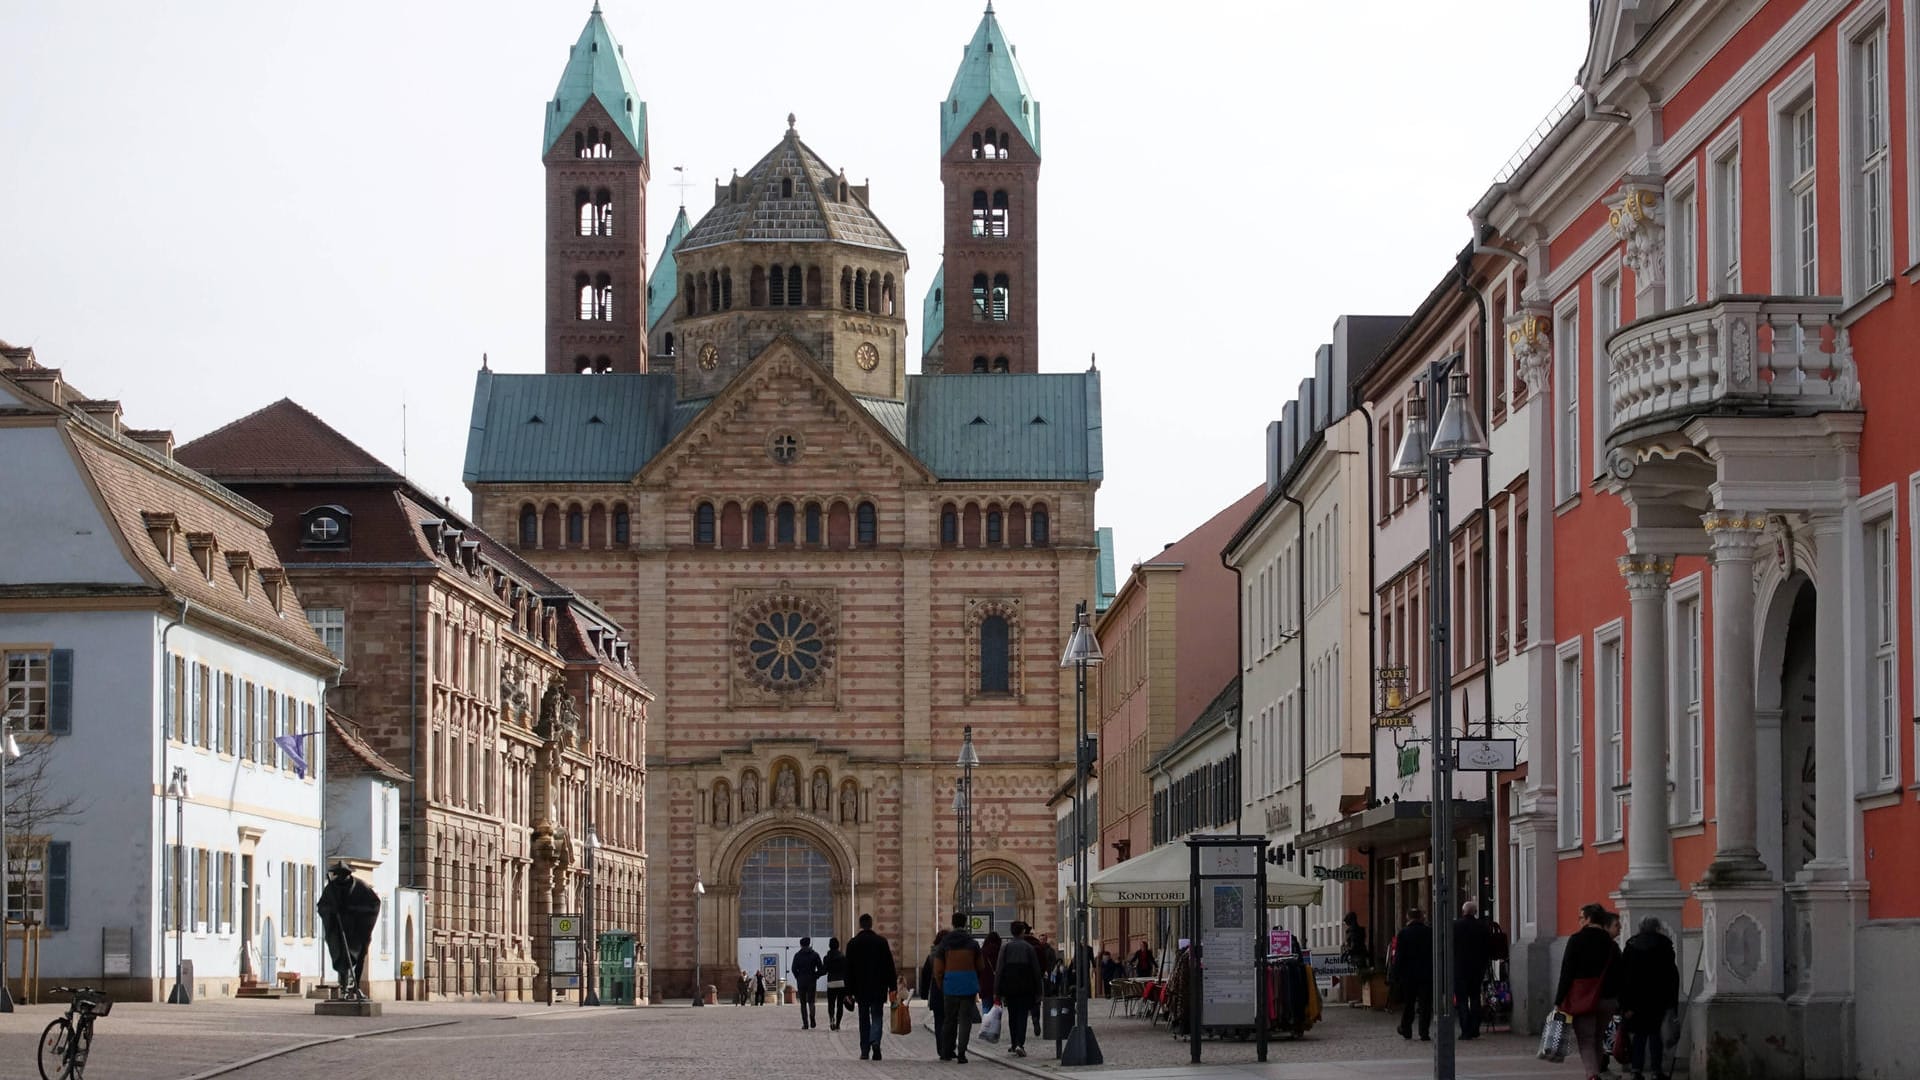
x=1161 y=877
x=1391 y=823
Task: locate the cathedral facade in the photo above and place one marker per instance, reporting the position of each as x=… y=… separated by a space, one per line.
x=834 y=568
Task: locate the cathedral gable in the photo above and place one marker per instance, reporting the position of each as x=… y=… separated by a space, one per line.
x=784 y=427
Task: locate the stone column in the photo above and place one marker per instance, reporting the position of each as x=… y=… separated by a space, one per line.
x=1736 y=855
x=1649 y=887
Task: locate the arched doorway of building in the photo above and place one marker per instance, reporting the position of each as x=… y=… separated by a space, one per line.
x=786 y=893
x=1000 y=889
x=1785 y=701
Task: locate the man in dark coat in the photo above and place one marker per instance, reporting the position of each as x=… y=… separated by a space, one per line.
x=871 y=979
x=1413 y=974
x=1018 y=985
x=1649 y=990
x=1472 y=940
x=806 y=970
x=348 y=909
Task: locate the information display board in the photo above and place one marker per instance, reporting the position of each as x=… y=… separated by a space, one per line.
x=1229 y=911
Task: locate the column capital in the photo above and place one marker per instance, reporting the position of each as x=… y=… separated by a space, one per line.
x=1733 y=533
x=1634 y=214
x=1647 y=575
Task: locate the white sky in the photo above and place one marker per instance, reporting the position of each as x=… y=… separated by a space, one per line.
x=207 y=206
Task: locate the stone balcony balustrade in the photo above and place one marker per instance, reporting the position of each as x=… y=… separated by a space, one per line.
x=1769 y=355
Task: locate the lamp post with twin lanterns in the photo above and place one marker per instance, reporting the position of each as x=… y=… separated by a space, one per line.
x=1083 y=652
x=592 y=995
x=1458 y=436
x=179 y=790
x=699 y=890
x=963 y=817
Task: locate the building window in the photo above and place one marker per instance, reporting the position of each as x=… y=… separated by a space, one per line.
x=331 y=625
x=1799 y=271
x=29 y=707
x=576 y=527
x=703 y=524
x=866 y=527
x=1869 y=223
x=996 y=528
x=979 y=213
x=1883 y=607
x=979 y=297
x=327 y=526
x=1041 y=528
x=949 y=525
x=1609 y=792
x=998 y=220
x=812 y=533
x=1572 y=748
x=1566 y=380
x=1683 y=239
x=38 y=882
x=995 y=655
x=1723 y=222
x=529 y=527
x=757 y=524
x=783 y=524
x=1691 y=768
x=1001 y=293
x=622 y=525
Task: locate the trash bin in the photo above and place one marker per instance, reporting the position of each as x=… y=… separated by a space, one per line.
x=1056 y=1017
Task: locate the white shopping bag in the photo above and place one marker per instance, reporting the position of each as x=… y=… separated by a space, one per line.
x=990 y=1026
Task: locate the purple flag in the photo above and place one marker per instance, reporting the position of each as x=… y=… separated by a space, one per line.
x=296 y=752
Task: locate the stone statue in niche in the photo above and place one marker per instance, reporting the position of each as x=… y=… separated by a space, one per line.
x=849 y=803
x=822 y=793
x=722 y=804
x=786 y=788
x=750 y=792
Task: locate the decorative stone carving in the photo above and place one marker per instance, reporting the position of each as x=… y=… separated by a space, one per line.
x=1647 y=575
x=785 y=645
x=722 y=803
x=1530 y=340
x=750 y=792
x=849 y=803
x=558 y=720
x=785 y=788
x=1634 y=214
x=822 y=793
x=1740 y=354
x=1846 y=374
x=1741 y=946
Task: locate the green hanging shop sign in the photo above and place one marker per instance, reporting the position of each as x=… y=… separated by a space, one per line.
x=1409 y=760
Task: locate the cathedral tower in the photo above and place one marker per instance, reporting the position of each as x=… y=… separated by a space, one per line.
x=595 y=151
x=987 y=291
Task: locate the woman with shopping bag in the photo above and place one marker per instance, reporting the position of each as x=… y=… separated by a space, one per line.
x=1588 y=989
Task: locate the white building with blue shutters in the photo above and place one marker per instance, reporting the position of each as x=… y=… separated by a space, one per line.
x=148 y=632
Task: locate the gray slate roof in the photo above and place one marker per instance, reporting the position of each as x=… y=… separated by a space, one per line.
x=605 y=428
x=814 y=211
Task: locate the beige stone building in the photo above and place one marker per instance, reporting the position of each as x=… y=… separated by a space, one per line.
x=832 y=567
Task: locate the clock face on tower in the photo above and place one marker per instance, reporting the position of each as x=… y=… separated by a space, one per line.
x=867 y=356
x=709 y=356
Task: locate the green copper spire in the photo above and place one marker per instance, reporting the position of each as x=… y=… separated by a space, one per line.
x=597 y=68
x=989 y=69
x=664 y=286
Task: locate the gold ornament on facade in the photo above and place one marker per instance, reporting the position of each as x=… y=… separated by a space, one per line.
x=1635 y=210
x=1644 y=564
x=1530 y=332
x=1734 y=521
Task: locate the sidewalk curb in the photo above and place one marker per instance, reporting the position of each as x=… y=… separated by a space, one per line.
x=282 y=1051
x=1017 y=1065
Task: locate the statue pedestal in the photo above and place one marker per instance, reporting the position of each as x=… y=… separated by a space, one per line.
x=346 y=1008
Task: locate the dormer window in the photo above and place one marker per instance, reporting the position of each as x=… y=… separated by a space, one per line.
x=161 y=528
x=326 y=527
x=203 y=546
x=273 y=582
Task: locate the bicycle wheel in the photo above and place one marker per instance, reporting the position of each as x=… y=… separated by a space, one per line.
x=53 y=1049
x=77 y=1057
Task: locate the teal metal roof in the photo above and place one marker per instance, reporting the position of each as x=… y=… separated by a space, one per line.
x=597 y=68
x=567 y=427
x=1006 y=426
x=605 y=428
x=933 y=312
x=664 y=286
x=1108 y=588
x=989 y=69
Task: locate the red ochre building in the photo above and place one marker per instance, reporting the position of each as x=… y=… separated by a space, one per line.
x=831 y=567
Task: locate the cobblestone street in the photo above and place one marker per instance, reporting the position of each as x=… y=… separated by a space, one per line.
x=283 y=1040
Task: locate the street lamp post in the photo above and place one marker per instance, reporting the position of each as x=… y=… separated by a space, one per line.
x=180 y=791
x=1459 y=435
x=592 y=996
x=963 y=817
x=9 y=751
x=1083 y=651
x=699 y=890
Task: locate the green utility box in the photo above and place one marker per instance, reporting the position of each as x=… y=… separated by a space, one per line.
x=618 y=976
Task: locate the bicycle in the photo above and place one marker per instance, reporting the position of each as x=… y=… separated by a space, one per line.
x=65 y=1043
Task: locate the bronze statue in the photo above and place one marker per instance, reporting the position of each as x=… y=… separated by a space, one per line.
x=348 y=910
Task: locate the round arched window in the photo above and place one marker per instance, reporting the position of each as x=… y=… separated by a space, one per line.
x=786 y=648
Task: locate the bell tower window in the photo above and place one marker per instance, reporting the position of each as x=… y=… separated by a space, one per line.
x=979 y=296
x=979 y=365
x=997 y=219
x=1000 y=294
x=595 y=145
x=979 y=213
x=603 y=297
x=583 y=289
x=794 y=284
x=777 y=286
x=1000 y=365
x=859 y=290
x=757 y=287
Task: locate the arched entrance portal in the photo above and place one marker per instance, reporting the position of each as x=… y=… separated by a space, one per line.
x=1785 y=698
x=786 y=893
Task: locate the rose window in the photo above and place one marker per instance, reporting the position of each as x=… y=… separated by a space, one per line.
x=786 y=647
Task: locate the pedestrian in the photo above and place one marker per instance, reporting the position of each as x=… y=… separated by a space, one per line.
x=759 y=988
x=1354 y=949
x=958 y=967
x=1649 y=992
x=1413 y=974
x=1588 y=985
x=1110 y=969
x=989 y=952
x=1043 y=952
x=1471 y=941
x=930 y=989
x=835 y=963
x=1017 y=986
x=741 y=987
x=806 y=969
x=1143 y=961
x=871 y=979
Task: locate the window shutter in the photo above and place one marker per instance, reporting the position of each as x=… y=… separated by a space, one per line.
x=60 y=692
x=58 y=862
